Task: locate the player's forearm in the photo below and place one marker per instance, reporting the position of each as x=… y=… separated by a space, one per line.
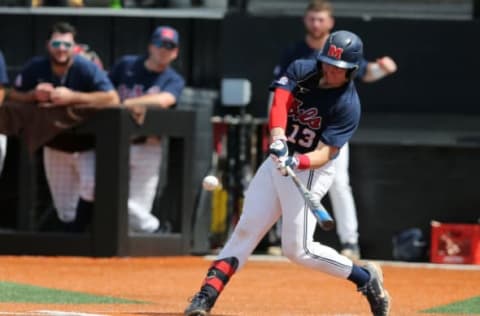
x=374 y=72
x=22 y=97
x=163 y=100
x=282 y=101
x=277 y=133
x=379 y=69
x=322 y=155
x=106 y=98
x=2 y=94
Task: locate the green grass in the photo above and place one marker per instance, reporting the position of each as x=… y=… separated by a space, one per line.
x=23 y=293
x=467 y=307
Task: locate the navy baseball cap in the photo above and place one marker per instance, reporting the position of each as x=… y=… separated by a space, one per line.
x=165 y=35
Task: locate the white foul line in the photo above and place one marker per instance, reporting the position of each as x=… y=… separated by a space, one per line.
x=50 y=313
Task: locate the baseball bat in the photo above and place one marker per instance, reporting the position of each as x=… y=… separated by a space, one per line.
x=323 y=218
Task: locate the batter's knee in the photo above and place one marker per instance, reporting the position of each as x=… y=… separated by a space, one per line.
x=292 y=250
x=316 y=256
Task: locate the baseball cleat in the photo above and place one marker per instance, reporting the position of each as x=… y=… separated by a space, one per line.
x=200 y=305
x=377 y=296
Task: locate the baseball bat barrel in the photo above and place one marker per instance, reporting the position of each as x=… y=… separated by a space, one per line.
x=323 y=218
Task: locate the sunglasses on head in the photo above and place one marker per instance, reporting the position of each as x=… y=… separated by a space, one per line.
x=163 y=44
x=57 y=44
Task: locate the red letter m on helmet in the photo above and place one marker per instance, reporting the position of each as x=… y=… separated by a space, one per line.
x=335 y=52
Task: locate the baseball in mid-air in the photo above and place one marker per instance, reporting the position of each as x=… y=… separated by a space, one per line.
x=210 y=183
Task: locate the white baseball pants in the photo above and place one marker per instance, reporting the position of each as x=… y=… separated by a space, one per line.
x=341 y=197
x=145 y=160
x=72 y=176
x=3 y=151
x=271 y=195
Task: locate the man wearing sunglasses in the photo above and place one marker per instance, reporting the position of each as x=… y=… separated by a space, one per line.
x=63 y=79
x=148 y=80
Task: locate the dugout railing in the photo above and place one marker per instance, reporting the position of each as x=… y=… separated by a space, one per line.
x=189 y=155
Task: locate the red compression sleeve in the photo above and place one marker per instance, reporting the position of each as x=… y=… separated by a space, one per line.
x=282 y=102
x=303 y=162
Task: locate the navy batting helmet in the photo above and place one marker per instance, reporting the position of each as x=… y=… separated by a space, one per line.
x=342 y=49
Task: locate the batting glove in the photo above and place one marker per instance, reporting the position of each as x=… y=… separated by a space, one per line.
x=290 y=161
x=278 y=149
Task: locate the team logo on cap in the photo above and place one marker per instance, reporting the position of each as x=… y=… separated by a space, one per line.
x=335 y=52
x=168 y=33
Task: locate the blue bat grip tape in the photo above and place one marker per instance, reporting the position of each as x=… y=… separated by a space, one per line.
x=322 y=215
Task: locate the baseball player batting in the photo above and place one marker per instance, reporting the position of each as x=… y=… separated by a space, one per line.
x=319 y=21
x=315 y=111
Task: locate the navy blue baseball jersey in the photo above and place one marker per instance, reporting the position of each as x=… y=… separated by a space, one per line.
x=83 y=76
x=132 y=79
x=300 y=50
x=3 y=70
x=318 y=114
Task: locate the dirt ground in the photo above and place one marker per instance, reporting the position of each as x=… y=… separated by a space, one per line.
x=261 y=288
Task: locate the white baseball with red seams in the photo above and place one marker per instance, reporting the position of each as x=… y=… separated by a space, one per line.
x=210 y=183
